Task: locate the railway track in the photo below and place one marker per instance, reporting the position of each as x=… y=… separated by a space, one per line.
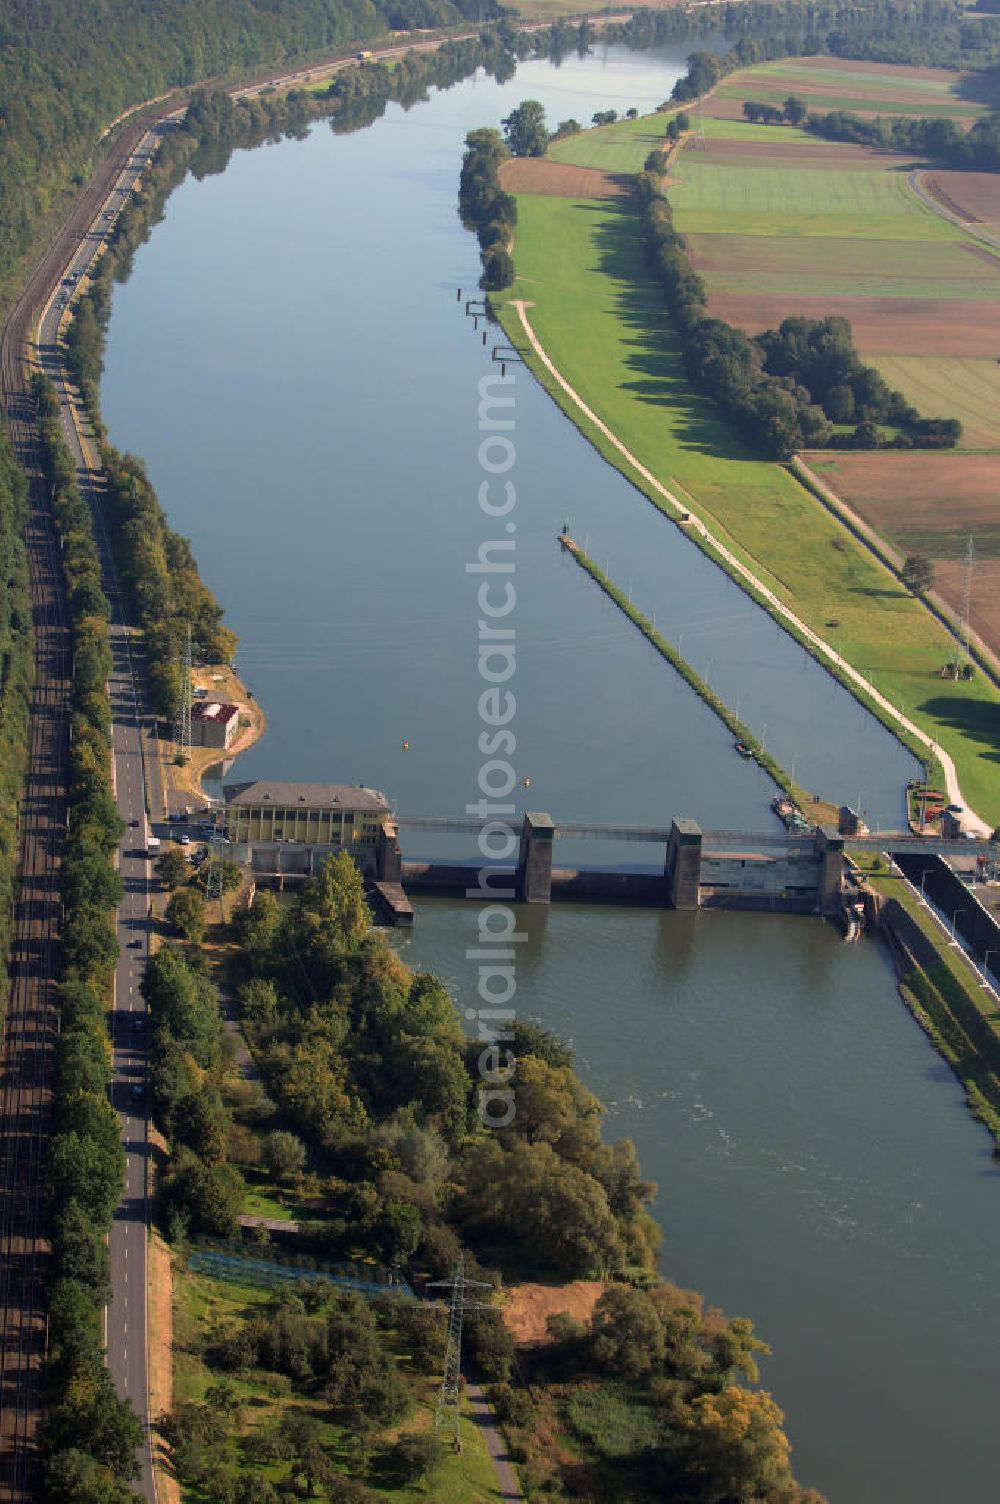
x=31 y=1022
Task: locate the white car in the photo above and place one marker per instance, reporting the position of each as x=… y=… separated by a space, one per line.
x=184 y=839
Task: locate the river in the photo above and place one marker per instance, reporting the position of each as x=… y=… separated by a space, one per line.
x=308 y=410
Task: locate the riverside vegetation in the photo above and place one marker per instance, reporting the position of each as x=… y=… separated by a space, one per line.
x=366 y=1113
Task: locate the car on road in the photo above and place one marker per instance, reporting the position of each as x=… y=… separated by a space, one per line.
x=138 y=1023
x=184 y=839
x=137 y=1092
x=135 y=945
x=133 y=825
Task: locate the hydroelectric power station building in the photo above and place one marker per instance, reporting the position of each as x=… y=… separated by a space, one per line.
x=333 y=815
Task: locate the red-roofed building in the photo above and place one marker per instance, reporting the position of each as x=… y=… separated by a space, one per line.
x=213 y=724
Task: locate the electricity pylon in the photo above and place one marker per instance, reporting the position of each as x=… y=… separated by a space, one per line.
x=182 y=715
x=448 y=1416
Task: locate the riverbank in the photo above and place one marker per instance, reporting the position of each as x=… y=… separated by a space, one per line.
x=597 y=320
x=181 y=783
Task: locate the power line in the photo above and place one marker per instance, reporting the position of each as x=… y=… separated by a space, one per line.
x=182 y=714
x=448 y=1416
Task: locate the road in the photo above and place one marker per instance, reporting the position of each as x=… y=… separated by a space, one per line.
x=739 y=570
x=126 y=1314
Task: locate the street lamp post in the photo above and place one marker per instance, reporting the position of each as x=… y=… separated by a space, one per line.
x=954 y=932
x=993 y=951
x=923 y=874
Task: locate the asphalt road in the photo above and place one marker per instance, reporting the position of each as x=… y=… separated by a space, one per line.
x=126 y=1314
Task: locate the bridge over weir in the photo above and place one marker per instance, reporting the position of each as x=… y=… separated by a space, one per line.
x=513 y=860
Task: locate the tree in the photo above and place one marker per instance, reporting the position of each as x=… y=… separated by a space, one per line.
x=414 y=1456
x=627 y=1336
x=74 y=1477
x=524 y=129
x=795 y=109
x=172 y=868
x=498 y=269
x=284 y=1155
x=186 y=912
x=917 y=574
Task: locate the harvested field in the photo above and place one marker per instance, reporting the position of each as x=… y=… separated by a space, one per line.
x=964 y=389
x=830 y=266
x=882 y=326
x=984 y=599
x=973 y=196
x=729 y=106
x=899 y=74
x=530 y=1307
x=827 y=156
x=560 y=179
x=930 y=504
x=831 y=255
x=920 y=493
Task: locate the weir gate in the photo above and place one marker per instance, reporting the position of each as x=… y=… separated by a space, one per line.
x=764 y=870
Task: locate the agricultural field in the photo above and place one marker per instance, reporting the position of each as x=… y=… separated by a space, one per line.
x=931 y=504
x=623 y=147
x=828 y=83
x=561 y=179
x=779 y=222
x=968 y=389
x=603 y=322
x=973 y=196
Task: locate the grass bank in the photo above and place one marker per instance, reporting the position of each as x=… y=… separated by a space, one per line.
x=603 y=321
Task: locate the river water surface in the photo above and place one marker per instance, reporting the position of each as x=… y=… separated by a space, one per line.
x=290 y=358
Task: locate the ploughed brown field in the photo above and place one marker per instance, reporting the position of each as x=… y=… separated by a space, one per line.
x=730 y=106
x=830 y=255
x=882 y=326
x=973 y=196
x=777 y=153
x=929 y=503
x=560 y=179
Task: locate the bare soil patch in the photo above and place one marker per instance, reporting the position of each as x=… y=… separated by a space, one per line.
x=930 y=503
x=984 y=598
x=530 y=1307
x=785 y=153
x=822 y=255
x=882 y=326
x=973 y=196
x=560 y=179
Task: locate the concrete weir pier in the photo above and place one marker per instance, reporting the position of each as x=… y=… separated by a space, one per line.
x=701 y=869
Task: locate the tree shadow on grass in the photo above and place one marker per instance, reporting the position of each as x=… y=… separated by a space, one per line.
x=654 y=345
x=978 y=720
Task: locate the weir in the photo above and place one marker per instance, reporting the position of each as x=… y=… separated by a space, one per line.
x=768 y=871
